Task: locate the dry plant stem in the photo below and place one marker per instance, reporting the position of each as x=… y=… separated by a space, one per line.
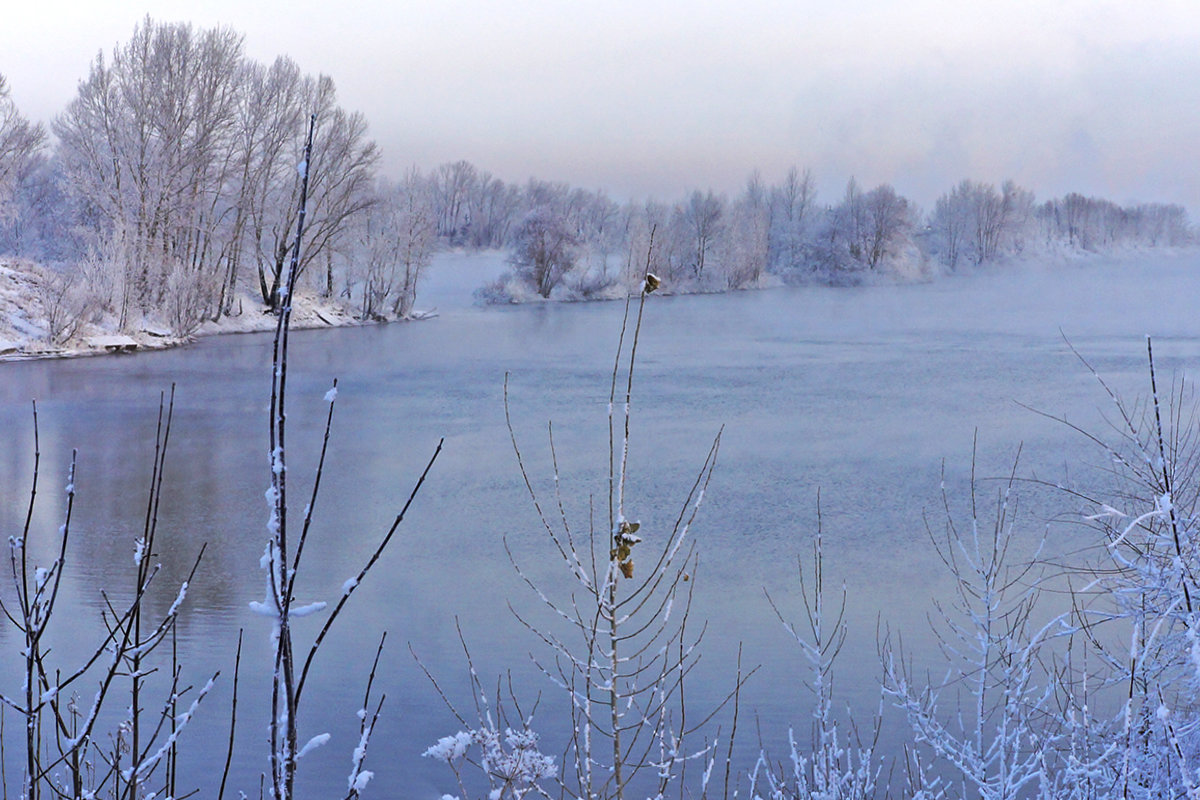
x=626 y=680
x=283 y=689
x=283 y=565
x=161 y=437
x=366 y=727
x=362 y=573
x=737 y=698
x=23 y=599
x=613 y=567
x=37 y=603
x=237 y=668
x=1167 y=483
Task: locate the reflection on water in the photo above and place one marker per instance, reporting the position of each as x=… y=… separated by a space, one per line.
x=861 y=393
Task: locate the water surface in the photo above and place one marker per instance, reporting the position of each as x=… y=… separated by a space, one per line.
x=872 y=396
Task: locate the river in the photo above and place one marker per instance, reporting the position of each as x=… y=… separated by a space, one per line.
x=872 y=396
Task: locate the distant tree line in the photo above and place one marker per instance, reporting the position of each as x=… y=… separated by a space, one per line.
x=582 y=244
x=170 y=191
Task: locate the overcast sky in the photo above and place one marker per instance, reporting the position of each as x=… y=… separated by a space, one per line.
x=654 y=97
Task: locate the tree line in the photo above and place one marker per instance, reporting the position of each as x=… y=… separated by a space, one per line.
x=172 y=182
x=582 y=244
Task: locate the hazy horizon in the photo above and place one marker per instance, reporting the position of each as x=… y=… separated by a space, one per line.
x=653 y=99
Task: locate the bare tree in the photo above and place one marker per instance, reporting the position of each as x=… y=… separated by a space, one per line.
x=791 y=209
x=395 y=243
x=342 y=173
x=544 y=249
x=889 y=220
x=950 y=223
x=703 y=212
x=20 y=143
x=146 y=143
x=453 y=185
x=746 y=244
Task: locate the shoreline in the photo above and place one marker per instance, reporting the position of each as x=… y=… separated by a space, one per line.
x=23 y=340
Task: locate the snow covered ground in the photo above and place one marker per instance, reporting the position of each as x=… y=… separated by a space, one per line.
x=449 y=283
x=25 y=332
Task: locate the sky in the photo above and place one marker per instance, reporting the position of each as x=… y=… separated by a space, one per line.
x=653 y=98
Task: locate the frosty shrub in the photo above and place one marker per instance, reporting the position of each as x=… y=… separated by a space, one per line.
x=999 y=737
x=1095 y=701
x=593 y=283
x=65 y=302
x=1135 y=607
x=833 y=763
x=64 y=708
x=616 y=635
x=187 y=300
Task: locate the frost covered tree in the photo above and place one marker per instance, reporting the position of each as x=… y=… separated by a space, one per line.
x=21 y=142
x=38 y=222
x=544 y=249
x=703 y=213
x=1095 y=224
x=146 y=144
x=270 y=111
x=393 y=247
x=184 y=158
x=342 y=173
x=977 y=221
x=745 y=247
x=792 y=207
x=889 y=221
x=495 y=207
x=453 y=186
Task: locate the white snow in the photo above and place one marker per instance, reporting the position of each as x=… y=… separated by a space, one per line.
x=24 y=334
x=313 y=744
x=450 y=748
x=311 y=608
x=264 y=607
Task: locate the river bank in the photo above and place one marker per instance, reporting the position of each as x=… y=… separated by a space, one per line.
x=26 y=313
x=456 y=280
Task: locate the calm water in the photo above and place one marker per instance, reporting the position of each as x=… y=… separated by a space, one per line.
x=862 y=394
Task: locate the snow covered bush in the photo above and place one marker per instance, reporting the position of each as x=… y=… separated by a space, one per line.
x=1138 y=609
x=65 y=302
x=625 y=681
x=834 y=764
x=1095 y=700
x=64 y=707
x=989 y=720
x=512 y=762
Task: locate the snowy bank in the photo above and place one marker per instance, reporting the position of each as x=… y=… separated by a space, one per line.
x=33 y=324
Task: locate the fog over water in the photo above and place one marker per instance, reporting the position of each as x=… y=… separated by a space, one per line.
x=656 y=98
x=872 y=396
